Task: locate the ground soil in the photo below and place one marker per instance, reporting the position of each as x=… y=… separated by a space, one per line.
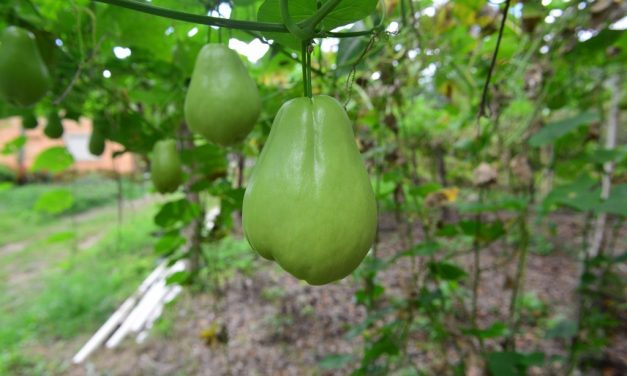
x=277 y=325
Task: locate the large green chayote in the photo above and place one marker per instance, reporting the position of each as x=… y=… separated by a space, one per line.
x=222 y=103
x=309 y=204
x=24 y=77
x=166 y=168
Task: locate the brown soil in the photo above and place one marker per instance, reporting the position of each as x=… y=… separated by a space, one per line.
x=277 y=325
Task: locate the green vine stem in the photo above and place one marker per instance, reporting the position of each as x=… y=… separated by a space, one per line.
x=320 y=14
x=293 y=28
x=194 y=18
x=227 y=23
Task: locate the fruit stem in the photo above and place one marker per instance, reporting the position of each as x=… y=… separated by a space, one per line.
x=306 y=65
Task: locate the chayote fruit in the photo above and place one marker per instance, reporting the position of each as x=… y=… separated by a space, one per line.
x=54 y=127
x=309 y=204
x=222 y=103
x=96 y=142
x=166 y=170
x=29 y=120
x=24 y=78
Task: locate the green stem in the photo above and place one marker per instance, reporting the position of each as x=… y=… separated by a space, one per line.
x=292 y=26
x=306 y=64
x=223 y=22
x=514 y=315
x=194 y=18
x=320 y=14
x=476 y=248
x=348 y=34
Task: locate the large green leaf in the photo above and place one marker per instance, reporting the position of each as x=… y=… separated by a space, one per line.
x=169 y=243
x=446 y=270
x=208 y=159
x=14 y=145
x=175 y=213
x=54 y=160
x=580 y=195
x=350 y=49
x=55 y=201
x=554 y=131
x=512 y=363
x=335 y=361
x=594 y=50
x=347 y=11
x=617 y=202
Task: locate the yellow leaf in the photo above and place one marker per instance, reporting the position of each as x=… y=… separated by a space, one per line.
x=450 y=193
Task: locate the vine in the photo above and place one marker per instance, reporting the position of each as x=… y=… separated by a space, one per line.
x=306 y=26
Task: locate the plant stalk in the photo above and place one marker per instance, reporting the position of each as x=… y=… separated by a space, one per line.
x=514 y=317
x=224 y=22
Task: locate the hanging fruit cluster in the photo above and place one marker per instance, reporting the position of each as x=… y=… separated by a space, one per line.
x=309 y=204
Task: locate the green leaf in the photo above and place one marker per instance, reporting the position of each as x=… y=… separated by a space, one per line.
x=564 y=329
x=350 y=49
x=608 y=155
x=579 y=195
x=61 y=237
x=594 y=49
x=335 y=361
x=243 y=3
x=617 y=202
x=425 y=189
x=488 y=231
x=505 y=363
x=55 y=201
x=366 y=297
x=513 y=363
x=347 y=11
x=179 y=212
x=498 y=329
x=387 y=344
x=169 y=243
x=446 y=270
x=134 y=132
x=5 y=186
x=207 y=159
x=14 y=145
x=54 y=160
x=448 y=231
x=180 y=278
x=427 y=248
x=507 y=203
x=554 y=131
x=533 y=359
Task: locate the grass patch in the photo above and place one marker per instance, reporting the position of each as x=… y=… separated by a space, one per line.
x=74 y=292
x=19 y=220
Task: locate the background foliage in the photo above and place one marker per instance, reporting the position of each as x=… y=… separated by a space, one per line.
x=459 y=175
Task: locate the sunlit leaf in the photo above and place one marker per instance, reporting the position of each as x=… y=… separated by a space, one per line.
x=55 y=201
x=54 y=160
